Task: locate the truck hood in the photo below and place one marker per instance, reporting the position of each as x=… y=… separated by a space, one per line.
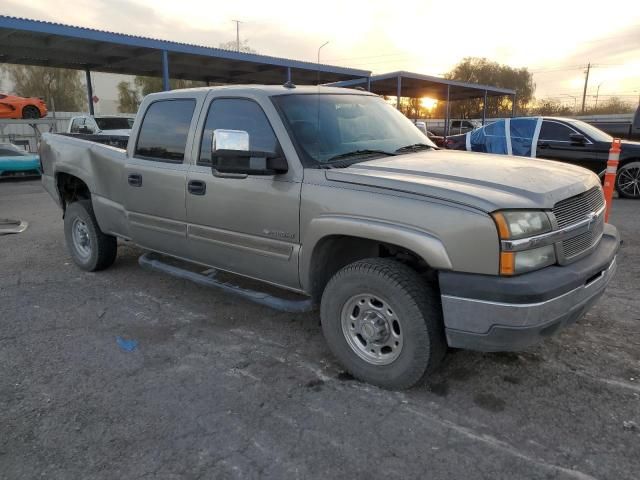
x=480 y=180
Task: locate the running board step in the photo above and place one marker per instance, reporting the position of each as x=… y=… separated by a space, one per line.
x=152 y=262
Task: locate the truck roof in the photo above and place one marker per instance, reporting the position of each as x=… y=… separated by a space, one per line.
x=271 y=90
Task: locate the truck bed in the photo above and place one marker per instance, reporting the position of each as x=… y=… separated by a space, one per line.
x=100 y=167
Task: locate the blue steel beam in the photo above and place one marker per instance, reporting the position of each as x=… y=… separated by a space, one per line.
x=165 y=71
x=87 y=72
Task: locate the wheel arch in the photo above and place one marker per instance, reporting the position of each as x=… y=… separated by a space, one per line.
x=335 y=241
x=71 y=189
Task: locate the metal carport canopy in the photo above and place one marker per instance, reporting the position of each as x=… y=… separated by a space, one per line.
x=417 y=85
x=34 y=42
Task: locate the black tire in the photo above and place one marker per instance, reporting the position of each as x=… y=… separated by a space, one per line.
x=628 y=180
x=415 y=303
x=30 y=112
x=100 y=250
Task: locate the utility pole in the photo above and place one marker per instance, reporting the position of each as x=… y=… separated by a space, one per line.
x=598 y=93
x=238 y=22
x=586 y=82
x=318 y=71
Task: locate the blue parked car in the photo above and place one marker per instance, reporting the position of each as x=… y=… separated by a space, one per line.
x=15 y=162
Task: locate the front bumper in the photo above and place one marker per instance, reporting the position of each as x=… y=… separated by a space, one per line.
x=490 y=313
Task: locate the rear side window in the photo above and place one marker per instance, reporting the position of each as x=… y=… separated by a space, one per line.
x=77 y=123
x=164 y=130
x=237 y=114
x=555 y=131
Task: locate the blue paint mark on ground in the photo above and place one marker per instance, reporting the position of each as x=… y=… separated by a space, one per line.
x=126 y=345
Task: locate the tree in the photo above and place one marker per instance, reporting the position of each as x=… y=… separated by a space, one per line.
x=232 y=45
x=128 y=98
x=149 y=85
x=486 y=72
x=611 y=106
x=551 y=107
x=61 y=89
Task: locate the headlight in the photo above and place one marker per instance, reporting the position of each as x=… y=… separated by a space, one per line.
x=518 y=224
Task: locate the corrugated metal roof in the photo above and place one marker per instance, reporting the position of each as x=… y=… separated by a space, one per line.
x=24 y=27
x=419 y=85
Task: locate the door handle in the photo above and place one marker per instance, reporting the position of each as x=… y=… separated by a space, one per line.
x=135 y=180
x=197 y=187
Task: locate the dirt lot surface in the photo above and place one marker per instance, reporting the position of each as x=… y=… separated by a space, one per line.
x=218 y=387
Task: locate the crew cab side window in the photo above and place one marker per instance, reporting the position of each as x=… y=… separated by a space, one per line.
x=164 y=130
x=237 y=114
x=555 y=132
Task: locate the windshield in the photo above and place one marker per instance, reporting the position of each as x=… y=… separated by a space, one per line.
x=593 y=132
x=325 y=127
x=113 y=123
x=10 y=150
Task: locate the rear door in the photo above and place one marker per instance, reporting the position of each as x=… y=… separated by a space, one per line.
x=245 y=225
x=554 y=143
x=155 y=177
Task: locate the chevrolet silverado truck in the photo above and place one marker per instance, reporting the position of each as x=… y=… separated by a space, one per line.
x=334 y=194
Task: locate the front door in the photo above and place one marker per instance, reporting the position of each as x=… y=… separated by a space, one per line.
x=250 y=225
x=555 y=144
x=156 y=175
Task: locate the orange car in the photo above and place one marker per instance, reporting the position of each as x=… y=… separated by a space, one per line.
x=12 y=106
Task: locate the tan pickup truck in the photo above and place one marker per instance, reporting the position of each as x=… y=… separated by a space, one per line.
x=334 y=194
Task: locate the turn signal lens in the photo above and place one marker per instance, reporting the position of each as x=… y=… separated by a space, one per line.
x=507 y=263
x=501 y=223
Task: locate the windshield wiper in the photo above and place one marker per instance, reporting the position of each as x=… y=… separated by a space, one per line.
x=357 y=153
x=414 y=147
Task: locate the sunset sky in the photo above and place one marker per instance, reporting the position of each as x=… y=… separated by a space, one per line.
x=554 y=39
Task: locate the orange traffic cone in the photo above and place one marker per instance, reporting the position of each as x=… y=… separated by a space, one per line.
x=610 y=175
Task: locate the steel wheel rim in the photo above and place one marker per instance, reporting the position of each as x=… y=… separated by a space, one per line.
x=372 y=328
x=629 y=181
x=81 y=238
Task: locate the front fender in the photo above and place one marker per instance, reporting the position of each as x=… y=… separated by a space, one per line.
x=424 y=244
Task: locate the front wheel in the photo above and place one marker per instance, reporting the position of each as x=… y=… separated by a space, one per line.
x=383 y=322
x=30 y=112
x=628 y=180
x=90 y=248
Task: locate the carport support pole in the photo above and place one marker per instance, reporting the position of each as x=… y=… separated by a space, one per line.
x=398 y=91
x=288 y=74
x=446 y=113
x=484 y=108
x=513 y=105
x=89 y=90
x=165 y=71
x=369 y=84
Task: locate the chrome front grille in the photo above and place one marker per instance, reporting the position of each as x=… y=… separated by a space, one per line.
x=574 y=246
x=572 y=210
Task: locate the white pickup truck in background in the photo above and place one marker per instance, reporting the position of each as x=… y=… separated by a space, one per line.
x=101 y=124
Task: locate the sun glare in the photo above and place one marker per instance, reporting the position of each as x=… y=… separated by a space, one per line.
x=428 y=103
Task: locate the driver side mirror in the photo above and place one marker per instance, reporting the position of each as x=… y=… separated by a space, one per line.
x=577 y=139
x=230 y=156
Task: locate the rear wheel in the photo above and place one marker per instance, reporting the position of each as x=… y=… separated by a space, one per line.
x=383 y=322
x=628 y=180
x=90 y=248
x=30 y=112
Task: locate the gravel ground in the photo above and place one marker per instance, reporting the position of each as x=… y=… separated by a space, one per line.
x=218 y=387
